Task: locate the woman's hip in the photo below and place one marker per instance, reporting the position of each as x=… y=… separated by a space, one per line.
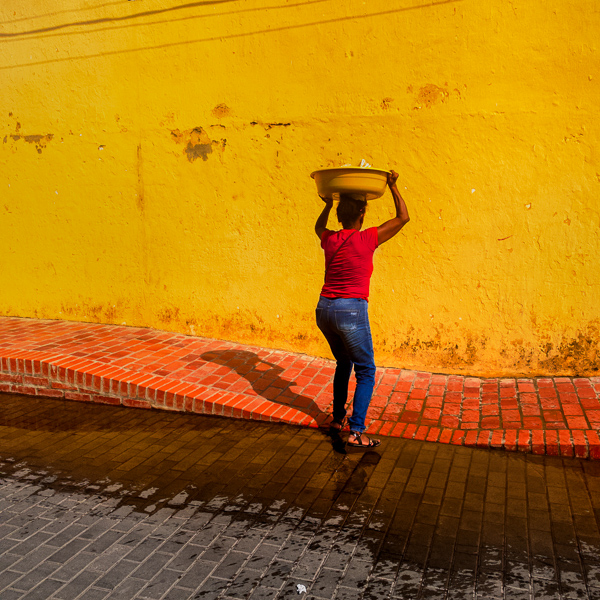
x=343 y=315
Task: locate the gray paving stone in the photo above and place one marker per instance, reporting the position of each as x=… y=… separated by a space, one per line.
x=107 y=558
x=94 y=594
x=7 y=560
x=250 y=541
x=186 y=557
x=58 y=523
x=356 y=574
x=435 y=594
x=326 y=583
x=8 y=577
x=25 y=526
x=177 y=593
x=263 y=593
x=546 y=590
x=519 y=594
x=152 y=565
x=143 y=550
x=244 y=583
x=35 y=576
x=33 y=559
x=377 y=589
x=73 y=567
x=208 y=534
x=6 y=544
x=160 y=583
x=66 y=535
x=294 y=547
x=230 y=565
x=114 y=576
x=277 y=573
x=176 y=542
x=76 y=586
x=35 y=541
x=517 y=576
x=196 y=575
x=308 y=566
x=69 y=550
x=339 y=556
x=263 y=556
x=219 y=548
x=8 y=594
x=280 y=533
x=127 y=589
x=211 y=586
x=43 y=591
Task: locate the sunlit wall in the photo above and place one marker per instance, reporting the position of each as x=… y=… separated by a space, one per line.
x=155 y=159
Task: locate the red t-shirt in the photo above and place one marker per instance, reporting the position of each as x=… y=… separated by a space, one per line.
x=349 y=275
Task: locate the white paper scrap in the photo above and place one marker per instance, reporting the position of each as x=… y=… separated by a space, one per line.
x=301 y=588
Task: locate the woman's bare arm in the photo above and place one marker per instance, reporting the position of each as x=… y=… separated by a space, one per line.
x=390 y=228
x=321 y=224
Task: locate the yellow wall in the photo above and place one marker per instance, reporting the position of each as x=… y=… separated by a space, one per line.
x=155 y=159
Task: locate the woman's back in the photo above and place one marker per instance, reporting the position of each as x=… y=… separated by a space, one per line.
x=349 y=261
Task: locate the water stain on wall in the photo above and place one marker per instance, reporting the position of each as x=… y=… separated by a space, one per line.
x=579 y=354
x=196 y=143
x=169 y=314
x=38 y=140
x=221 y=110
x=445 y=353
x=89 y=310
x=140 y=181
x=431 y=94
x=576 y=355
x=268 y=126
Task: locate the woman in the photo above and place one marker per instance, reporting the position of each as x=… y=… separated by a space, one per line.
x=342 y=311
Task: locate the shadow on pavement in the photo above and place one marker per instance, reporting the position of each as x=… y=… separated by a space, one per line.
x=262 y=376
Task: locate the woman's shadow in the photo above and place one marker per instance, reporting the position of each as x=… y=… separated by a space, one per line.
x=265 y=379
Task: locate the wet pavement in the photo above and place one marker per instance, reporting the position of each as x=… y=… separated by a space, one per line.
x=140 y=367
x=104 y=501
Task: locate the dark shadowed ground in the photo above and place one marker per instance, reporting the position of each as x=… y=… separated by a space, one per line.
x=108 y=502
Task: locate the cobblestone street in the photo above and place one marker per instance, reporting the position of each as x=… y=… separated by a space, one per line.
x=111 y=502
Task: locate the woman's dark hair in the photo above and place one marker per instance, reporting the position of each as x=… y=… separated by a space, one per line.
x=350 y=209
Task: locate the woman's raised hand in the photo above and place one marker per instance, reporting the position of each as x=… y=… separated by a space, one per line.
x=392 y=177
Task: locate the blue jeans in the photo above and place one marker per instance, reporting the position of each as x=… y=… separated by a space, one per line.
x=345 y=324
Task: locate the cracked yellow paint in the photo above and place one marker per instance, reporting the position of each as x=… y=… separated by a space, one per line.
x=155 y=160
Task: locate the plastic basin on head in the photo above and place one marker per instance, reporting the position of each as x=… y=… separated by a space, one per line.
x=369 y=183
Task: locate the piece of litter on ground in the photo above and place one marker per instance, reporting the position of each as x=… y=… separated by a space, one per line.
x=301 y=588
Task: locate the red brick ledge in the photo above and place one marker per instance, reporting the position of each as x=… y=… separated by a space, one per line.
x=146 y=368
x=37 y=374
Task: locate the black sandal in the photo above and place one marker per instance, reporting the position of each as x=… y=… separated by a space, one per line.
x=357 y=435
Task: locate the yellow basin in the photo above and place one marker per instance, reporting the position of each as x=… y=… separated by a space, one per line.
x=369 y=183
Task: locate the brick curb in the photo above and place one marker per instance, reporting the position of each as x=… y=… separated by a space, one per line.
x=145 y=368
x=33 y=373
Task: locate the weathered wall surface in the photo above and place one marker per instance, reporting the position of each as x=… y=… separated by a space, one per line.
x=155 y=160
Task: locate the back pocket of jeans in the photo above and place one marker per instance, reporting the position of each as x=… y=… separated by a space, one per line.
x=346 y=320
